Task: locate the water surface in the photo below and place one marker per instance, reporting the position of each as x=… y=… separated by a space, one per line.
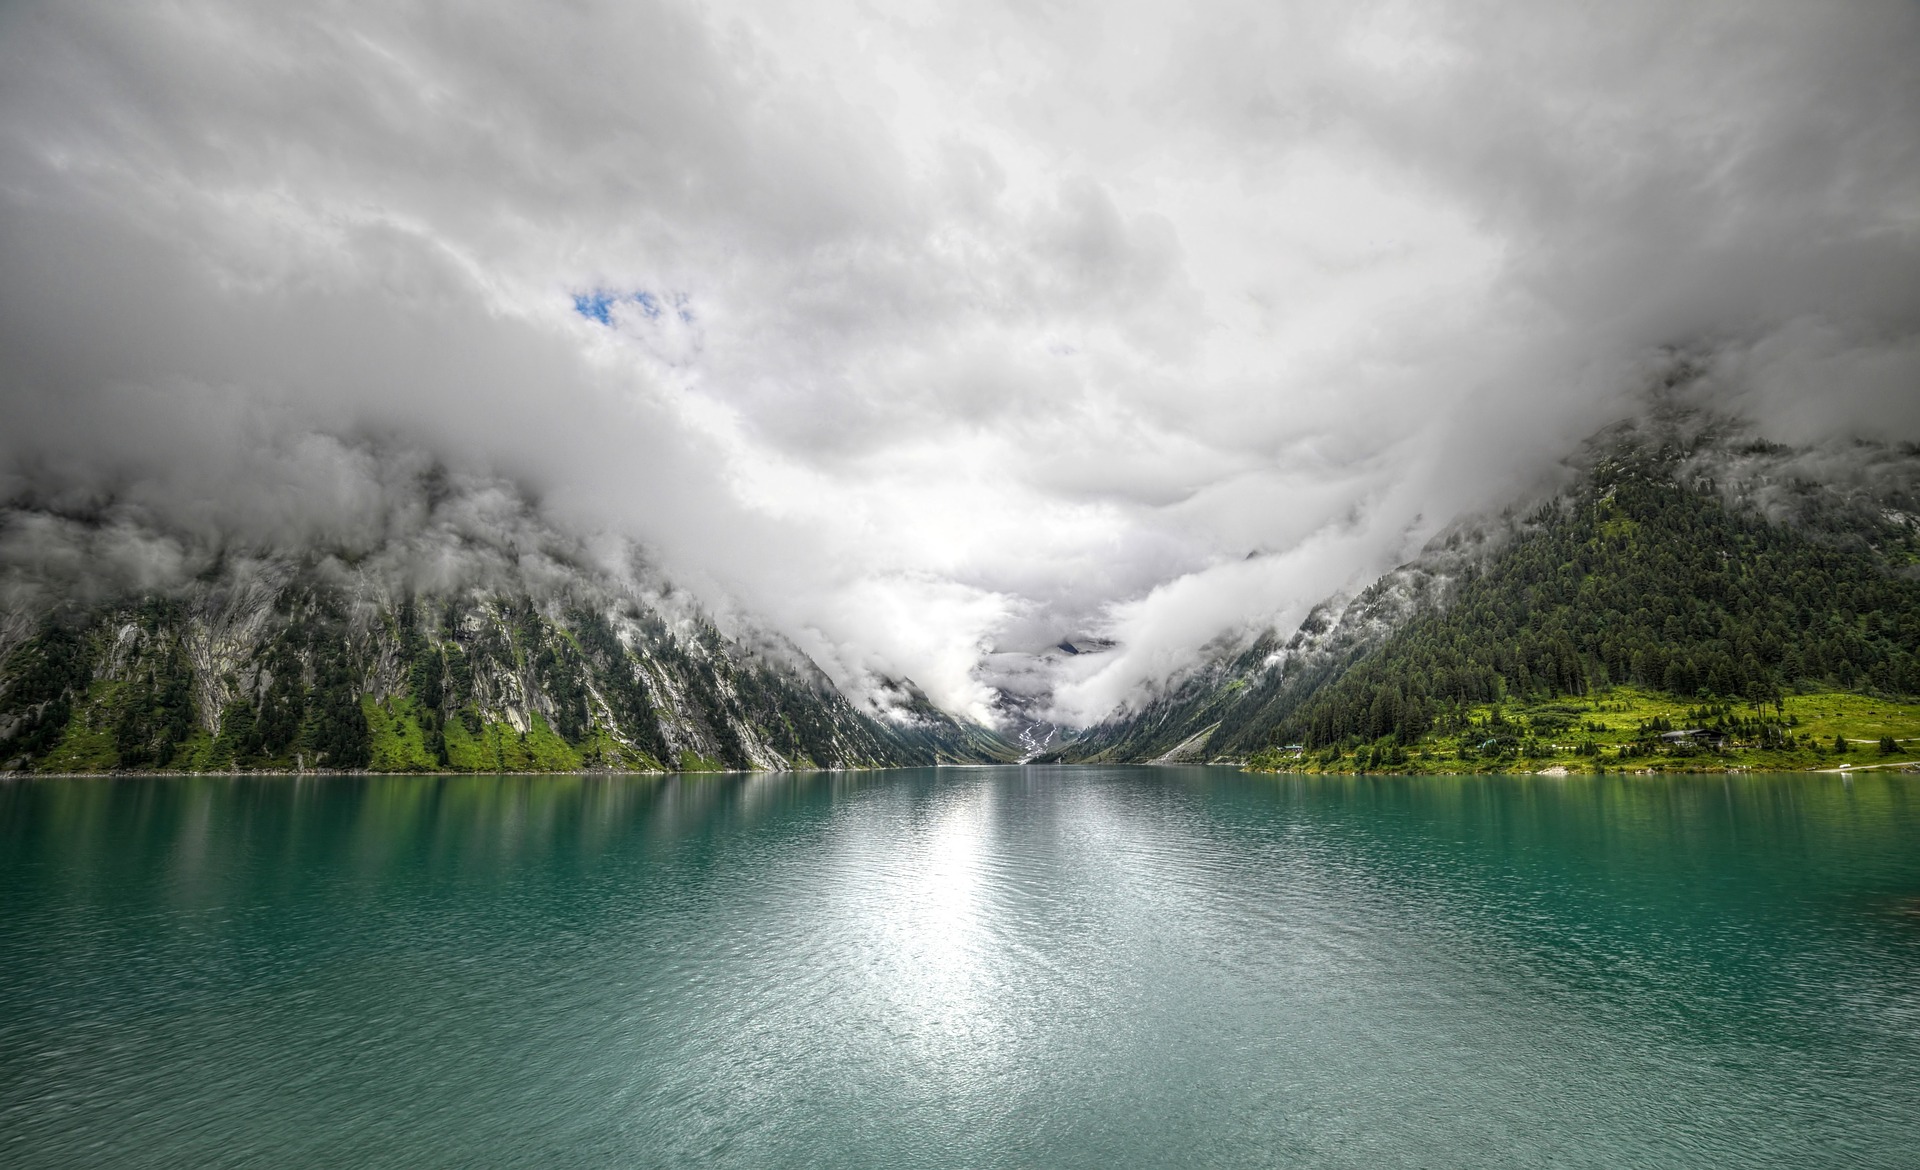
x=966 y=967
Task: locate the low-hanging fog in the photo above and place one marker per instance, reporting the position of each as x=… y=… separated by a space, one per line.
x=935 y=334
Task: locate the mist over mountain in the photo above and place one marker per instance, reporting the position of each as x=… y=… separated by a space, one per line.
x=914 y=346
x=1681 y=554
x=450 y=628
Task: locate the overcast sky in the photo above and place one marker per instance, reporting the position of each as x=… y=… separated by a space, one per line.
x=937 y=333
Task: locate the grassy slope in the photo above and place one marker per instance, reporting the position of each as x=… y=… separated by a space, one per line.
x=399 y=745
x=89 y=743
x=1611 y=721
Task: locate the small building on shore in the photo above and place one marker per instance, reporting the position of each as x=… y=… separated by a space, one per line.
x=1705 y=737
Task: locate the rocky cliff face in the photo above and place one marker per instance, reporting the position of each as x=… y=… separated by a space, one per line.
x=489 y=660
x=1223 y=709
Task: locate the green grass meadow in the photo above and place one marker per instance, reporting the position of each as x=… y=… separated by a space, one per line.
x=1619 y=730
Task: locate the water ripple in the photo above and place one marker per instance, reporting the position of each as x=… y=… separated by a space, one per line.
x=981 y=967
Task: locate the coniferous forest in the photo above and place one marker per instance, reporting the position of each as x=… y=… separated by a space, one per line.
x=1638 y=578
x=1649 y=592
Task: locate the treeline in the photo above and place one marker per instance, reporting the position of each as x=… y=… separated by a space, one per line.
x=116 y=688
x=124 y=672
x=1637 y=578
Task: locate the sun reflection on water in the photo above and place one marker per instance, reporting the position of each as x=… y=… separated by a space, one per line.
x=930 y=936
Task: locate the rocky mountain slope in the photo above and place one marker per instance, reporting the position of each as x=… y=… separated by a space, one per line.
x=450 y=646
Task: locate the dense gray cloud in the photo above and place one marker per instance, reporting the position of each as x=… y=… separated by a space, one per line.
x=940 y=334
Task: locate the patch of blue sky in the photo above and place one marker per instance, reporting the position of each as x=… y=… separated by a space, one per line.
x=595 y=306
x=598 y=305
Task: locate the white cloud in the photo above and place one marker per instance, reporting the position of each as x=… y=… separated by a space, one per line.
x=985 y=325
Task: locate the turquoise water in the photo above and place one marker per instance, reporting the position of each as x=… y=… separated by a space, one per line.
x=971 y=967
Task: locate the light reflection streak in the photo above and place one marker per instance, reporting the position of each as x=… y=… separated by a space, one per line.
x=929 y=967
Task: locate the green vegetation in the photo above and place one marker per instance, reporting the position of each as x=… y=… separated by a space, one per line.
x=428 y=688
x=91 y=742
x=155 y=709
x=1632 y=729
x=1642 y=584
x=1693 y=600
x=398 y=744
x=45 y=676
x=1635 y=586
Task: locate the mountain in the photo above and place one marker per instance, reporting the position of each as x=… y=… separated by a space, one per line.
x=452 y=646
x=1685 y=561
x=1690 y=584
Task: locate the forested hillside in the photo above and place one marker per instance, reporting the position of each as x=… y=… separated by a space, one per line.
x=1645 y=576
x=1696 y=570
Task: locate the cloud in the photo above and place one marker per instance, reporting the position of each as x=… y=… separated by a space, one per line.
x=938 y=335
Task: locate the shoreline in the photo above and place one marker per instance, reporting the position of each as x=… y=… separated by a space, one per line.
x=1557 y=773
x=324 y=774
x=1569 y=773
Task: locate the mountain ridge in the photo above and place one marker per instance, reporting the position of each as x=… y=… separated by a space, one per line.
x=1850 y=515
x=451 y=646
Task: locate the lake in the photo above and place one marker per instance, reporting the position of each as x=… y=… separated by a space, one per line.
x=1041 y=966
